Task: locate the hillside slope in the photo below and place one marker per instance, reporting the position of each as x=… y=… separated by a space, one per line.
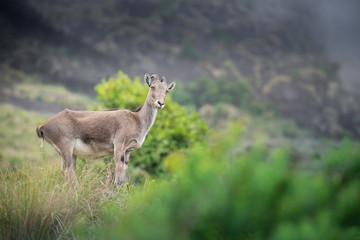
x=269 y=45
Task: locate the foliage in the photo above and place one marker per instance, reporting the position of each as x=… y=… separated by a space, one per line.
x=206 y=90
x=218 y=194
x=174 y=127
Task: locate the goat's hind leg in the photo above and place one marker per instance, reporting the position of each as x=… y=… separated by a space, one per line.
x=69 y=170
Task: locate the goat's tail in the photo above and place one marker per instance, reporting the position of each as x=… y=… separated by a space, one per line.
x=40 y=134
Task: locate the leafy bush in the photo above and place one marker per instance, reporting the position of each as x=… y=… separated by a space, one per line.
x=174 y=127
x=218 y=194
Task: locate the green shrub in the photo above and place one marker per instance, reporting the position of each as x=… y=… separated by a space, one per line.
x=218 y=194
x=174 y=127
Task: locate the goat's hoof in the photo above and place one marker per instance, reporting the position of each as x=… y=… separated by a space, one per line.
x=119 y=183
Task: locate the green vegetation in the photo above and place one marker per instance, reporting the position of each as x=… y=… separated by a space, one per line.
x=174 y=129
x=220 y=194
x=36 y=203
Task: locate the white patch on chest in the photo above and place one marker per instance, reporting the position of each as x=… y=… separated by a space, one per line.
x=86 y=151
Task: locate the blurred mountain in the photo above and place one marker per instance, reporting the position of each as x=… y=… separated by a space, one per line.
x=272 y=45
x=337 y=27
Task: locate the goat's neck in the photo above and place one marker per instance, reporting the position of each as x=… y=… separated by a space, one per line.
x=147 y=115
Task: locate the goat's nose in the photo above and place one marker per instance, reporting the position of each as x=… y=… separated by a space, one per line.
x=160 y=103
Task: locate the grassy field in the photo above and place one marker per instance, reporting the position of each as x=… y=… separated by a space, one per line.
x=36 y=202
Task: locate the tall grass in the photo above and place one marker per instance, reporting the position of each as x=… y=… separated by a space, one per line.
x=37 y=203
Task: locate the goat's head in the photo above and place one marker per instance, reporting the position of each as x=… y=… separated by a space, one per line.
x=158 y=90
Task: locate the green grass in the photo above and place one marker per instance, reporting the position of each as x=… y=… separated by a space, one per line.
x=36 y=203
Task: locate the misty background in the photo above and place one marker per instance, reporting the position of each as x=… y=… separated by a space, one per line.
x=300 y=59
x=337 y=28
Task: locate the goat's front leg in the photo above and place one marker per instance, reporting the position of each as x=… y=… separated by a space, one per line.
x=120 y=166
x=124 y=168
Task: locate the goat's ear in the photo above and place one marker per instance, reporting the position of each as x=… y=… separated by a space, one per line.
x=171 y=86
x=147 y=79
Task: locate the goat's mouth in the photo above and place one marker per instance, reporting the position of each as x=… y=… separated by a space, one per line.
x=158 y=104
x=160 y=107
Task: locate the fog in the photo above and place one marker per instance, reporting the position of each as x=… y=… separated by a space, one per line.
x=338 y=29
